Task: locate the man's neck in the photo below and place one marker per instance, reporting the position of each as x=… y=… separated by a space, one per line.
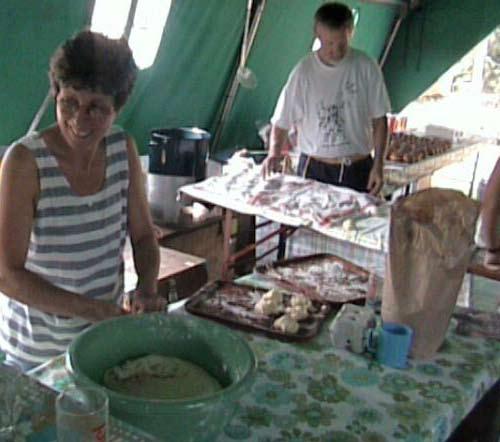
x=332 y=63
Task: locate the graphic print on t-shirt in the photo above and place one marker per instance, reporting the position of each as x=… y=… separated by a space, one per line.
x=331 y=124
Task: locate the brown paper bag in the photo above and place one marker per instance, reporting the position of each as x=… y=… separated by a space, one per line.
x=431 y=241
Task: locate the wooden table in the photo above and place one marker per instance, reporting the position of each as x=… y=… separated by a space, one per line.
x=189 y=271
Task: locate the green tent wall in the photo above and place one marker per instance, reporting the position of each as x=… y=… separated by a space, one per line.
x=200 y=50
x=431 y=40
x=30 y=31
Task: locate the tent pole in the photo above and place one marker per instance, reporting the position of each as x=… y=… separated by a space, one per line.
x=41 y=111
x=130 y=19
x=43 y=107
x=388 y=46
x=233 y=89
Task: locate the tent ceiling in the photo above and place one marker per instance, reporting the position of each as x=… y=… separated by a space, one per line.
x=201 y=47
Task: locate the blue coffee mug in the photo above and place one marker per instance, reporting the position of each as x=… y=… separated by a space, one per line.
x=391 y=344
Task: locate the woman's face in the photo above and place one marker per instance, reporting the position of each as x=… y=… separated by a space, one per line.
x=84 y=116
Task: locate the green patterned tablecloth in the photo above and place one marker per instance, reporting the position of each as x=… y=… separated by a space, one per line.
x=313 y=392
x=28 y=408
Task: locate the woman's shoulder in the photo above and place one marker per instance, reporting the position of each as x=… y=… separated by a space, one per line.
x=117 y=141
x=29 y=141
x=20 y=157
x=24 y=145
x=115 y=134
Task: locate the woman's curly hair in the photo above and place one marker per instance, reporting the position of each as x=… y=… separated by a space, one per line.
x=93 y=61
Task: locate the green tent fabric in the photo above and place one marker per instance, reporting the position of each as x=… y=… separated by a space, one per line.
x=187 y=81
x=30 y=31
x=432 y=39
x=199 y=53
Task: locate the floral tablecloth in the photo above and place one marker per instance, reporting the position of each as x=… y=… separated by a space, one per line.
x=313 y=392
x=27 y=409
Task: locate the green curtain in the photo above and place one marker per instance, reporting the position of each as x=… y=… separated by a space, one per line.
x=30 y=31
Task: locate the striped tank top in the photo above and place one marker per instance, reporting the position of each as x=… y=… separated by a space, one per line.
x=76 y=244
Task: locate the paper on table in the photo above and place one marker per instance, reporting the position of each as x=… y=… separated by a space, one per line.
x=287 y=199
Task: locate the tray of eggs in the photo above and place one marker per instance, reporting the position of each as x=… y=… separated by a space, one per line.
x=276 y=312
x=409 y=148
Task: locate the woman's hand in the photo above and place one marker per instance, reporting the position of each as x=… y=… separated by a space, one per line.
x=101 y=310
x=138 y=301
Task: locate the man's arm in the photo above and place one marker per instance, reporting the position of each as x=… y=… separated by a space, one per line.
x=376 y=178
x=490 y=208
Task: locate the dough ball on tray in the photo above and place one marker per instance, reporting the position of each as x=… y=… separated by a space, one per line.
x=286 y=324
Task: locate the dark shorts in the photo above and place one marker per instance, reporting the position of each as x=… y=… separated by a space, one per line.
x=354 y=176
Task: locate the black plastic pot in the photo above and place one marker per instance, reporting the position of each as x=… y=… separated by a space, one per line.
x=179 y=152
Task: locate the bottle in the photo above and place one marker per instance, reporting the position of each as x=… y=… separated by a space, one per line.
x=172 y=291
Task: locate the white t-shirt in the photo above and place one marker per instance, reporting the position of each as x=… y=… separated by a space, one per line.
x=333 y=106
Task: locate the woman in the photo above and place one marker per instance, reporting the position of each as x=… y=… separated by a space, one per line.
x=68 y=198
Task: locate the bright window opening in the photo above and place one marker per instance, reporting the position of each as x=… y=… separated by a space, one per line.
x=147 y=29
x=110 y=18
x=463 y=103
x=466 y=97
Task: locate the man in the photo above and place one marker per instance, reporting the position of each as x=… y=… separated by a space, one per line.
x=337 y=100
x=488 y=226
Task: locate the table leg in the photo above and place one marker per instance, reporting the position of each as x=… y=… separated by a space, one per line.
x=227 y=226
x=282 y=243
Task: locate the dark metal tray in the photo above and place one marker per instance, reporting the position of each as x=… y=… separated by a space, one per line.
x=233 y=304
x=315 y=277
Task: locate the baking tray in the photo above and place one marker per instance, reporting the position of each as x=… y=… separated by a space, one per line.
x=477 y=323
x=323 y=277
x=233 y=304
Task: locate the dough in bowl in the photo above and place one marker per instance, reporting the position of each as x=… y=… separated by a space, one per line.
x=160 y=377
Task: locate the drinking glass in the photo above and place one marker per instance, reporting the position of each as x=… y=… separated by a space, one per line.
x=82 y=415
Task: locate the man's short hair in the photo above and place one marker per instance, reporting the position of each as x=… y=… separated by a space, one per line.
x=334 y=16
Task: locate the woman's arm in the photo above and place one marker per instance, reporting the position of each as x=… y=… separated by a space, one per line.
x=144 y=244
x=19 y=190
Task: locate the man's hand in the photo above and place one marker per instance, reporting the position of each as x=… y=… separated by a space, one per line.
x=375 y=179
x=271 y=164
